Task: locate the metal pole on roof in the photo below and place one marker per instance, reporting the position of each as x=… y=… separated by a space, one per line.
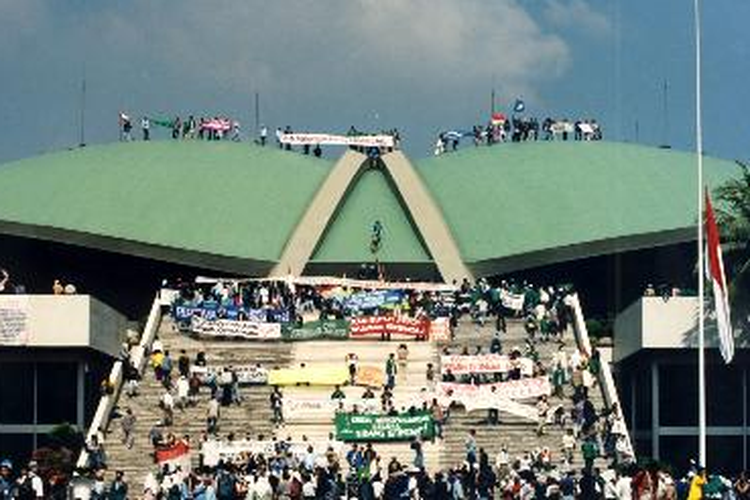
x=665 y=97
x=82 y=116
x=257 y=114
x=701 y=257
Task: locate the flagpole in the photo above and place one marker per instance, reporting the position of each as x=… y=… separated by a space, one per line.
x=701 y=257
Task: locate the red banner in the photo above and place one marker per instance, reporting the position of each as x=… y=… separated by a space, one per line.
x=389 y=325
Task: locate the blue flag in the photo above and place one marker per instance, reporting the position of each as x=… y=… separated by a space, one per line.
x=519 y=106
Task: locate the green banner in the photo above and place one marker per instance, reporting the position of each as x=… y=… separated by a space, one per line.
x=371 y=427
x=327 y=329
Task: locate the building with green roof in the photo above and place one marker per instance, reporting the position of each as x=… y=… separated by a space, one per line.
x=166 y=208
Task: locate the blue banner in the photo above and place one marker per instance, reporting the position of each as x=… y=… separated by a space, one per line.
x=212 y=310
x=372 y=300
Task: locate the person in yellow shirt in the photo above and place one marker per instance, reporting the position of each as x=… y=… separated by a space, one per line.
x=697 y=484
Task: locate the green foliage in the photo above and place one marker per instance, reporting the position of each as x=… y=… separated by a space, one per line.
x=65 y=436
x=599 y=327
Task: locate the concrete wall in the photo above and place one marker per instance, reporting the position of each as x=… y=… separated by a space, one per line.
x=655 y=323
x=62 y=321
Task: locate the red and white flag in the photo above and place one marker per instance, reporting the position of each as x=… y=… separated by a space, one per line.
x=174 y=455
x=715 y=268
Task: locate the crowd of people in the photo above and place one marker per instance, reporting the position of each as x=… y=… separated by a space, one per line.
x=520 y=129
x=202 y=128
x=284 y=302
x=219 y=128
x=325 y=470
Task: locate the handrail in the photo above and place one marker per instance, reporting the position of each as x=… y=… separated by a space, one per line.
x=605 y=379
x=138 y=357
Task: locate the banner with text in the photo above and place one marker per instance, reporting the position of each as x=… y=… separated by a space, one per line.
x=372 y=300
x=485 y=363
x=319 y=329
x=228 y=451
x=372 y=427
x=512 y=300
x=440 y=330
x=211 y=310
x=389 y=325
x=309 y=408
x=469 y=394
x=249 y=330
x=14 y=318
x=246 y=375
x=368 y=141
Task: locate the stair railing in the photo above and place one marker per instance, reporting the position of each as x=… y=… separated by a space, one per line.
x=108 y=400
x=605 y=379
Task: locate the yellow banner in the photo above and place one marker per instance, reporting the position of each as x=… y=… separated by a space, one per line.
x=309 y=375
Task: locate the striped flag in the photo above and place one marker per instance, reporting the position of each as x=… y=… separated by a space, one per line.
x=715 y=268
x=177 y=454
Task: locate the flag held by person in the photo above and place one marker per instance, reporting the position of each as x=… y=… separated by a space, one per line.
x=519 y=106
x=715 y=269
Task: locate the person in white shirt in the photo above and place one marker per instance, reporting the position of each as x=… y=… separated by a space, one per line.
x=167 y=406
x=183 y=389
x=212 y=415
x=146 y=128
x=32 y=479
x=308 y=489
x=623 y=490
x=568 y=445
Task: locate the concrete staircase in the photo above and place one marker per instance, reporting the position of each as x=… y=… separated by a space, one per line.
x=409 y=382
x=515 y=433
x=251 y=417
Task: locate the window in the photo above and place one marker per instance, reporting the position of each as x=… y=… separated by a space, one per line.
x=16 y=387
x=56 y=393
x=678 y=399
x=17 y=447
x=724 y=394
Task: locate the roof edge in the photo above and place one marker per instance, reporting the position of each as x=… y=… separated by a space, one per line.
x=192 y=258
x=577 y=251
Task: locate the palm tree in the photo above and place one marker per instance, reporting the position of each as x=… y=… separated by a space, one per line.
x=733 y=218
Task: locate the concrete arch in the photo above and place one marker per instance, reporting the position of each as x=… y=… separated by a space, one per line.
x=424 y=215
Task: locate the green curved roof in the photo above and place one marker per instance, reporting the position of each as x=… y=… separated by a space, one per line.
x=217 y=198
x=348 y=237
x=516 y=199
x=228 y=205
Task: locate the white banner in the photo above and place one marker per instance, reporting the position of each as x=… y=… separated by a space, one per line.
x=323 y=408
x=527 y=411
x=246 y=375
x=14 y=318
x=214 y=451
x=469 y=394
x=233 y=328
x=342 y=282
x=368 y=141
x=512 y=300
x=485 y=363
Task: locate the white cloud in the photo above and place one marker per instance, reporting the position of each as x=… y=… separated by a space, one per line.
x=578 y=15
x=313 y=60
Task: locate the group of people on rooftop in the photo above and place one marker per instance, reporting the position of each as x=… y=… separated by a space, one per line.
x=520 y=129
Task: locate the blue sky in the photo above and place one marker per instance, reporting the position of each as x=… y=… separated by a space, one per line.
x=421 y=66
